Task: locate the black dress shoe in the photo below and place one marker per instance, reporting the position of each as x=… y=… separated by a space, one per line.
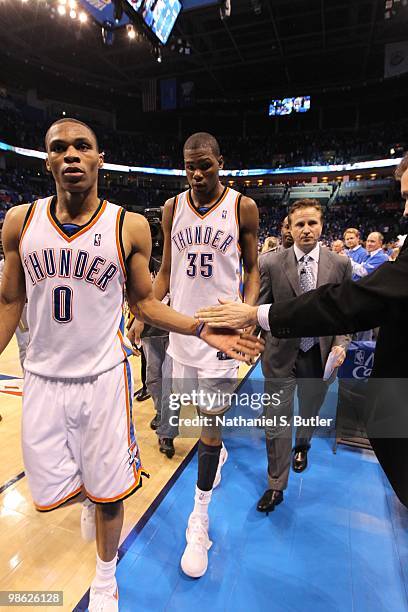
x=154 y=423
x=166 y=446
x=299 y=460
x=142 y=394
x=269 y=500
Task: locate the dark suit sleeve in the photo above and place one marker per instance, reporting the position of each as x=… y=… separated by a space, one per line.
x=265 y=291
x=344 y=339
x=347 y=307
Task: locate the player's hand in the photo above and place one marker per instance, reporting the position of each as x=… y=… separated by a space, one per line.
x=234 y=315
x=134 y=334
x=340 y=353
x=240 y=346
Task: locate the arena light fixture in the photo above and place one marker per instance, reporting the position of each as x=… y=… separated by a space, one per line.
x=131 y=32
x=83 y=17
x=62 y=10
x=73 y=14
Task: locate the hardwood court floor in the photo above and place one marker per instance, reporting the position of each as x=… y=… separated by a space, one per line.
x=44 y=551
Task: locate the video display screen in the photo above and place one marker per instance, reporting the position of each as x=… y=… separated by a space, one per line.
x=158 y=15
x=286 y=106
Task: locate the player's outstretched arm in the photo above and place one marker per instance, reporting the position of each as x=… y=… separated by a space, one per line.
x=248 y=237
x=142 y=302
x=12 y=289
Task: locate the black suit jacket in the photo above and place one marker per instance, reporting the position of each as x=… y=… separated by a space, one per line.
x=378 y=300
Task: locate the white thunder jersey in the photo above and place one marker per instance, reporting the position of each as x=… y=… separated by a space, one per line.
x=205 y=266
x=75 y=292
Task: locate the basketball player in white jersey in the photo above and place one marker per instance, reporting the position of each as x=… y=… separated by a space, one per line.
x=72 y=255
x=207 y=230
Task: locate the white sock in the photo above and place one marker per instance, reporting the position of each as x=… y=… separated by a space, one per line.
x=105 y=573
x=201 y=502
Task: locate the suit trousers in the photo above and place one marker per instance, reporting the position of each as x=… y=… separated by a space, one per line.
x=307 y=376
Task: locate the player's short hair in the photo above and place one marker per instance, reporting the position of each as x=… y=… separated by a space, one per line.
x=305 y=203
x=203 y=140
x=71 y=120
x=352 y=230
x=400 y=169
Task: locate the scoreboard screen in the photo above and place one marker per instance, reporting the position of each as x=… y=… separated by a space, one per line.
x=158 y=15
x=286 y=106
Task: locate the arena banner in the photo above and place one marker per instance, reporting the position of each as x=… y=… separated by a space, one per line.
x=359 y=361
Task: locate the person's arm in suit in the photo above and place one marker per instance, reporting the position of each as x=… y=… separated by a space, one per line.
x=344 y=340
x=346 y=307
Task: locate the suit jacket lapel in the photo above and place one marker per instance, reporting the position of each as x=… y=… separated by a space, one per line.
x=290 y=269
x=324 y=268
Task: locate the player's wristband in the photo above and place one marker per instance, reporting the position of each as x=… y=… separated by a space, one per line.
x=199 y=329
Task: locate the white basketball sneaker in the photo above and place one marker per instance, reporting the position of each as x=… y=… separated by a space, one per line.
x=88 y=525
x=221 y=461
x=194 y=561
x=104 y=600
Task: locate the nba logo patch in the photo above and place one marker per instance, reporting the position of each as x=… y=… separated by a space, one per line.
x=359 y=357
x=224 y=214
x=97 y=239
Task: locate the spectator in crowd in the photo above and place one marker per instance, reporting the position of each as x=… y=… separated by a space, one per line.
x=270 y=244
x=338 y=247
x=375 y=256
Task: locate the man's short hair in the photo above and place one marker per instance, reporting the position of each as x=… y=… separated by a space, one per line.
x=352 y=230
x=203 y=140
x=380 y=236
x=71 y=120
x=305 y=203
x=400 y=169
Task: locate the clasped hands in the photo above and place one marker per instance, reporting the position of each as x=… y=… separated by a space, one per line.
x=235 y=315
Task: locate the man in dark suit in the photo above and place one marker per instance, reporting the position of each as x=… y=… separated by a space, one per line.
x=298 y=362
x=379 y=299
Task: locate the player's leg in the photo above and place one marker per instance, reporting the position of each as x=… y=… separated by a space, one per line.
x=111 y=471
x=213 y=393
x=51 y=466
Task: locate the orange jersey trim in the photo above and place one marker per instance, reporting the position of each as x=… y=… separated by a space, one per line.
x=23 y=233
x=237 y=221
x=191 y=205
x=82 y=231
x=176 y=201
x=58 y=503
x=121 y=339
x=136 y=475
x=122 y=263
x=131 y=489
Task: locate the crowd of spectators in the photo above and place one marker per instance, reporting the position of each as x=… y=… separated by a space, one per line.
x=25 y=126
x=367 y=213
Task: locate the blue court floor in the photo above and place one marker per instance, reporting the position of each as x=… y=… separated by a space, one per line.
x=339 y=542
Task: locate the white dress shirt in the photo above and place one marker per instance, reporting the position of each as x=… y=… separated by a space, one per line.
x=314 y=254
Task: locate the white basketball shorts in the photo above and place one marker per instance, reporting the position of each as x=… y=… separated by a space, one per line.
x=212 y=387
x=77 y=434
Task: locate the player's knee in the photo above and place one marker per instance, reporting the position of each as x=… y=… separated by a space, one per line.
x=213 y=438
x=110 y=511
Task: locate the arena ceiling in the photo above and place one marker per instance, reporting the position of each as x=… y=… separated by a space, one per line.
x=266 y=47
